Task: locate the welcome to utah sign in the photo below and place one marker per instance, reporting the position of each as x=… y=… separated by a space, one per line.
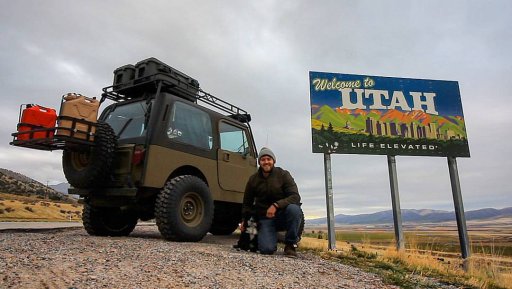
x=360 y=114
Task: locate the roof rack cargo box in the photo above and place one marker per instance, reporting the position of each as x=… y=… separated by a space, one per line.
x=133 y=81
x=123 y=76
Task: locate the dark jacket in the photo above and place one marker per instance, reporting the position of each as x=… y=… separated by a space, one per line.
x=260 y=192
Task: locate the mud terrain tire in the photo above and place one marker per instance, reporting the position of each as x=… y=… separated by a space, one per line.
x=101 y=221
x=88 y=169
x=184 y=209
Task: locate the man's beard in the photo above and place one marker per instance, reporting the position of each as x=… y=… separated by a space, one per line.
x=267 y=169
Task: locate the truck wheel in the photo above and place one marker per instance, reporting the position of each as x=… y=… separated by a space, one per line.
x=184 y=209
x=86 y=169
x=100 y=221
x=226 y=218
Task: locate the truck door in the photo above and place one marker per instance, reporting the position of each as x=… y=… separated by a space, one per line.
x=236 y=160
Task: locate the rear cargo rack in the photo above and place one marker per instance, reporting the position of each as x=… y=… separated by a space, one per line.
x=52 y=143
x=66 y=137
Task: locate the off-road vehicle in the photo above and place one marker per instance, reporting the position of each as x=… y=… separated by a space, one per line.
x=163 y=149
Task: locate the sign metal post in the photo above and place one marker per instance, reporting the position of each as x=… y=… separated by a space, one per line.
x=395 y=201
x=329 y=199
x=459 y=210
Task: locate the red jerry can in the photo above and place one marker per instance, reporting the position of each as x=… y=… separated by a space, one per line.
x=36 y=117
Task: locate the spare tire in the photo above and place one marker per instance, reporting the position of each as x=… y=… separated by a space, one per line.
x=89 y=168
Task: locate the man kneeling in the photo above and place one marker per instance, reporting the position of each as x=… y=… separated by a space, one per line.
x=273 y=197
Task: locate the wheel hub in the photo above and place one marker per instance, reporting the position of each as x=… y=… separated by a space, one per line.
x=191 y=209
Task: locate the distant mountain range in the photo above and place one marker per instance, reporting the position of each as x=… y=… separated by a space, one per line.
x=356 y=119
x=413 y=216
x=62 y=187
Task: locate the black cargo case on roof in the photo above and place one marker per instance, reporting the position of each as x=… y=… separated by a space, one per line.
x=124 y=76
x=136 y=81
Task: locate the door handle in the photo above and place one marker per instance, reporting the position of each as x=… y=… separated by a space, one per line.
x=226 y=157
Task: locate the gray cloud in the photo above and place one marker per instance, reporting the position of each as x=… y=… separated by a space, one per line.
x=258 y=56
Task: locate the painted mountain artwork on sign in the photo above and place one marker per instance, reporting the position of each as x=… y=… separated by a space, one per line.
x=392 y=117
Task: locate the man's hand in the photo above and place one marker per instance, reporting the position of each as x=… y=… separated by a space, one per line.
x=241 y=226
x=271 y=211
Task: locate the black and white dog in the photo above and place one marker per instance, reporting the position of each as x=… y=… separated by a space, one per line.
x=248 y=240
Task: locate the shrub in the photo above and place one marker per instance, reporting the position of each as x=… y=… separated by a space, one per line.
x=55 y=197
x=9 y=209
x=2 y=211
x=29 y=209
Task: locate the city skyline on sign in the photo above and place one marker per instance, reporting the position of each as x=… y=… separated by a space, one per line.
x=392 y=123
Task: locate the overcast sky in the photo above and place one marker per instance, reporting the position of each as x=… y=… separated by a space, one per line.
x=257 y=55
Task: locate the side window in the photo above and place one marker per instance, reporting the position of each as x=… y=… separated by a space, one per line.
x=233 y=139
x=190 y=125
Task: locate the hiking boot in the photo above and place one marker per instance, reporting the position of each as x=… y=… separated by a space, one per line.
x=290 y=250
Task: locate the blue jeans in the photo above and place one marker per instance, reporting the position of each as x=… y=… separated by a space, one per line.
x=288 y=219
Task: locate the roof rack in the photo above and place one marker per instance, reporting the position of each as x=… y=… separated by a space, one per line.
x=234 y=111
x=137 y=88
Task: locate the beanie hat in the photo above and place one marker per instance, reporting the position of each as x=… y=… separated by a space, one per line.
x=266 y=152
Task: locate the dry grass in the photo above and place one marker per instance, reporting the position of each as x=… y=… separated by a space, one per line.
x=20 y=208
x=485 y=271
x=322 y=245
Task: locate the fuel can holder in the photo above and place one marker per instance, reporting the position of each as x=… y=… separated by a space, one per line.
x=50 y=141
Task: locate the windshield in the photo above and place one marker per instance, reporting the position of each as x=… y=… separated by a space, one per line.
x=128 y=120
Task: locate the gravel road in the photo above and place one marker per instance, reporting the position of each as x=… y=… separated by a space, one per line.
x=69 y=258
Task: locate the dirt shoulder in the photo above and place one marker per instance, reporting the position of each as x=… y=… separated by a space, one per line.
x=29 y=226
x=69 y=258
